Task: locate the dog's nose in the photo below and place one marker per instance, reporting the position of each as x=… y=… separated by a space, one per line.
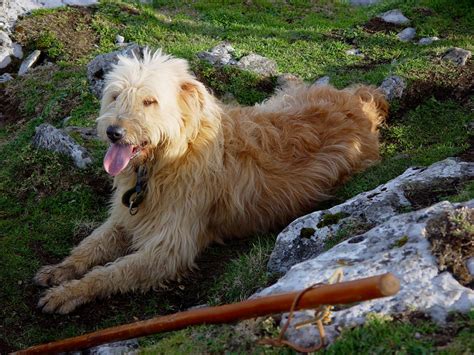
x=115 y=133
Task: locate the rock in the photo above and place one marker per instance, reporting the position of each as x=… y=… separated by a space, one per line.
x=86 y=133
x=5 y=77
x=103 y=63
x=457 y=56
x=117 y=348
x=427 y=40
x=407 y=34
x=222 y=54
x=287 y=80
x=324 y=80
x=354 y=51
x=306 y=237
x=258 y=64
x=29 y=62
x=363 y=2
x=470 y=266
x=119 y=39
x=17 y=51
x=394 y=16
x=6 y=49
x=53 y=139
x=400 y=246
x=393 y=87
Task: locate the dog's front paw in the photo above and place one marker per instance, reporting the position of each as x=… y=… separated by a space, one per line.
x=62 y=299
x=52 y=275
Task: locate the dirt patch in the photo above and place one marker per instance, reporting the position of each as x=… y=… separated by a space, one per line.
x=421 y=196
x=424 y=11
x=9 y=113
x=451 y=236
x=458 y=86
x=64 y=34
x=376 y=24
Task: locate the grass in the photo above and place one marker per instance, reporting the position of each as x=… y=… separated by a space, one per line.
x=44 y=198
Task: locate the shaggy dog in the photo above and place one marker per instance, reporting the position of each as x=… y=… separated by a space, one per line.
x=195 y=170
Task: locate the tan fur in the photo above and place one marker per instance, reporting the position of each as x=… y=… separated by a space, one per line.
x=215 y=171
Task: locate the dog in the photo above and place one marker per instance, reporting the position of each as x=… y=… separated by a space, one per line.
x=189 y=170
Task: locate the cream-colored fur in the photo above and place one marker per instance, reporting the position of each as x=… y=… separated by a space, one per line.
x=214 y=171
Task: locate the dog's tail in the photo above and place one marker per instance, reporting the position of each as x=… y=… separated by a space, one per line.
x=374 y=104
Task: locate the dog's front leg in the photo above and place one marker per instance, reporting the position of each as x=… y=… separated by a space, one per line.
x=150 y=266
x=106 y=243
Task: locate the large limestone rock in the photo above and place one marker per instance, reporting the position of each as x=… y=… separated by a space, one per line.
x=103 y=63
x=458 y=56
x=308 y=236
x=258 y=64
x=53 y=139
x=401 y=245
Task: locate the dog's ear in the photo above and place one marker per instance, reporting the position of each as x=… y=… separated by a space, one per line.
x=193 y=97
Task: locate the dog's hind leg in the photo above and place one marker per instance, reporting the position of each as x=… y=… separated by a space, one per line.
x=105 y=244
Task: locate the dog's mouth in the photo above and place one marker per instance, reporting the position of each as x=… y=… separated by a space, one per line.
x=119 y=155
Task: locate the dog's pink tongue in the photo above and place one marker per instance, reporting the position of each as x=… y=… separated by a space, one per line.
x=117 y=158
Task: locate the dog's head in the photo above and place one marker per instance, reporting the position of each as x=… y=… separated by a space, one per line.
x=149 y=106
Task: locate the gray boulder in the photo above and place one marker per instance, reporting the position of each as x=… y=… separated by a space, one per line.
x=394 y=16
x=103 y=63
x=258 y=64
x=310 y=235
x=222 y=54
x=457 y=56
x=393 y=87
x=56 y=140
x=401 y=245
x=407 y=34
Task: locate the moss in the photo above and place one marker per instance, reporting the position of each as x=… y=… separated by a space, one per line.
x=307 y=232
x=330 y=219
x=400 y=242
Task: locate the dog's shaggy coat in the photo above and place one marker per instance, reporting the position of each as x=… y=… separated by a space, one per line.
x=214 y=171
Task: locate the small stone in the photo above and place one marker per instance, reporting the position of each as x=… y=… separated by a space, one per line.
x=457 y=56
x=258 y=64
x=354 y=51
x=287 y=80
x=119 y=347
x=222 y=54
x=324 y=80
x=393 y=87
x=119 y=39
x=470 y=266
x=363 y=2
x=29 y=62
x=5 y=77
x=53 y=139
x=427 y=40
x=407 y=34
x=417 y=335
x=394 y=16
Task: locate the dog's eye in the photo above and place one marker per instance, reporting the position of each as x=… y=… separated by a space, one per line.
x=149 y=101
x=114 y=97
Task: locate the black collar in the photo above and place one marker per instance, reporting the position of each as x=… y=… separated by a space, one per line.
x=133 y=197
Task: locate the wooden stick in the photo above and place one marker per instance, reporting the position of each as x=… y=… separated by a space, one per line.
x=339 y=293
